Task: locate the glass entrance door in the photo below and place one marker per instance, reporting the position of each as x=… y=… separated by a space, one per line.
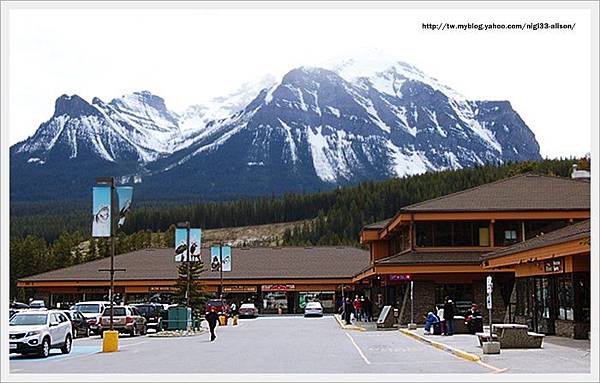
x=543 y=315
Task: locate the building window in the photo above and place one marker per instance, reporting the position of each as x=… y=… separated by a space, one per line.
x=508 y=232
x=400 y=241
x=275 y=300
x=565 y=297
x=449 y=233
x=460 y=294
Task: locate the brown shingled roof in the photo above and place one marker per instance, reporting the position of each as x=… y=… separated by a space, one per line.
x=576 y=231
x=523 y=192
x=377 y=225
x=247 y=263
x=433 y=258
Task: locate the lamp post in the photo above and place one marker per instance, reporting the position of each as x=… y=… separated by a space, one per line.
x=114 y=206
x=186 y=225
x=221 y=269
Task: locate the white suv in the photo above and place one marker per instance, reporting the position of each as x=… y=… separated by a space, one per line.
x=92 y=311
x=37 y=331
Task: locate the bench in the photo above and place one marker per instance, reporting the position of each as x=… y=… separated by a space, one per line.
x=512 y=336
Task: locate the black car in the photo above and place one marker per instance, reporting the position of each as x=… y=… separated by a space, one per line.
x=79 y=324
x=153 y=312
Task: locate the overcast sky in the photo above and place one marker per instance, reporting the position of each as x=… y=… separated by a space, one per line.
x=187 y=56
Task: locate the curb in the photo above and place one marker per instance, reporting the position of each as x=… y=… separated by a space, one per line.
x=338 y=319
x=172 y=334
x=456 y=352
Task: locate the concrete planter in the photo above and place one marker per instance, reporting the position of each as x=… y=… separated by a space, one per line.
x=491 y=347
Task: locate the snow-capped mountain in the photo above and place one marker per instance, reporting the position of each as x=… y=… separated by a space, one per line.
x=315 y=129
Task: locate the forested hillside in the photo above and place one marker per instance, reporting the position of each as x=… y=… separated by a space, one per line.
x=46 y=237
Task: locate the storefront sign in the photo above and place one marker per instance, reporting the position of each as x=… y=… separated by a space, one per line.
x=239 y=289
x=278 y=287
x=489 y=289
x=399 y=277
x=162 y=289
x=553 y=266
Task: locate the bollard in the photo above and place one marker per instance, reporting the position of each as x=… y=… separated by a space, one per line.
x=110 y=341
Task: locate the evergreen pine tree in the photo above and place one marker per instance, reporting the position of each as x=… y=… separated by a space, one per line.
x=197 y=296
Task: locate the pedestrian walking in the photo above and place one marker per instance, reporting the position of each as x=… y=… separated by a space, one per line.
x=348 y=308
x=212 y=317
x=449 y=316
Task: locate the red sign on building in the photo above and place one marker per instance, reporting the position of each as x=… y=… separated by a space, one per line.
x=399 y=277
x=278 y=287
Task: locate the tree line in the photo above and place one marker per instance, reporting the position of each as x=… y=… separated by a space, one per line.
x=44 y=239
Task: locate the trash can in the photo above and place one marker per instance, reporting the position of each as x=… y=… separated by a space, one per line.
x=180 y=318
x=223 y=320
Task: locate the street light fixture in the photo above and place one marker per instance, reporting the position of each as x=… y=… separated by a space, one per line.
x=114 y=206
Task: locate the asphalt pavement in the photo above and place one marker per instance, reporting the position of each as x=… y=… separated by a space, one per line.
x=263 y=345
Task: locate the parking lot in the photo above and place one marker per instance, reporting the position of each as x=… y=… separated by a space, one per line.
x=288 y=344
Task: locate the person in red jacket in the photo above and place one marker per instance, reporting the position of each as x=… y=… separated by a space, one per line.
x=358 y=308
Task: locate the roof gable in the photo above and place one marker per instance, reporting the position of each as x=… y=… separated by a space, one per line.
x=523 y=192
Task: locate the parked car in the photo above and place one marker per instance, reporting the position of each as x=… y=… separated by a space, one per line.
x=18 y=305
x=248 y=310
x=219 y=305
x=313 y=309
x=126 y=320
x=38 y=331
x=153 y=313
x=92 y=311
x=80 y=327
x=37 y=305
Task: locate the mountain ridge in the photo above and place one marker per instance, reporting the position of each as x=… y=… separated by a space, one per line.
x=314 y=129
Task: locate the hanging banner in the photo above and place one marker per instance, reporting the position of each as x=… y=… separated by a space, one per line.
x=180 y=244
x=125 y=194
x=226 y=258
x=101 y=211
x=195 y=244
x=215 y=259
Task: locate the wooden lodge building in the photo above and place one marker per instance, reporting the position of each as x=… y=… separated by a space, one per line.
x=440 y=245
x=530 y=232
x=271 y=277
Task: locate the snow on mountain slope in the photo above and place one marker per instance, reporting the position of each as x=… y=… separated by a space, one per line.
x=368 y=118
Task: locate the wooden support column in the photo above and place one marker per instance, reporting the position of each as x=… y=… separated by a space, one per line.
x=491 y=229
x=412 y=233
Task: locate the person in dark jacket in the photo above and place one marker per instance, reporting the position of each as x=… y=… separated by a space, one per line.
x=449 y=316
x=368 y=309
x=348 y=309
x=212 y=317
x=474 y=320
